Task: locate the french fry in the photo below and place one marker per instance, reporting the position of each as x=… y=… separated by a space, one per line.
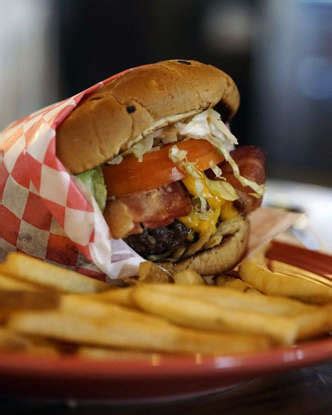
x=114 y=354
x=15 y=342
x=150 y=273
x=45 y=274
x=10 y=341
x=188 y=277
x=42 y=350
x=87 y=306
x=314 y=324
x=44 y=304
x=236 y=300
x=254 y=271
x=8 y=282
x=27 y=300
x=234 y=283
x=198 y=314
x=120 y=296
x=131 y=330
x=283 y=268
x=221 y=280
x=328 y=309
x=310 y=320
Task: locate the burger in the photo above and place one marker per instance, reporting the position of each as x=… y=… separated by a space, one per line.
x=155 y=149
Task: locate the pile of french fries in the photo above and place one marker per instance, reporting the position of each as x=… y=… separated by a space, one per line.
x=46 y=309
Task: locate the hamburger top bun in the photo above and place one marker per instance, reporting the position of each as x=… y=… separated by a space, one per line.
x=141 y=100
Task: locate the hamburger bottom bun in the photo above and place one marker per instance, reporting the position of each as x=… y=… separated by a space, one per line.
x=220 y=258
x=137 y=102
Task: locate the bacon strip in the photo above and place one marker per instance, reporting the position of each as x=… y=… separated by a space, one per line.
x=153 y=208
x=251 y=162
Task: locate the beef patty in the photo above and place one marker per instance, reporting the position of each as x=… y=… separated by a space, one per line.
x=159 y=241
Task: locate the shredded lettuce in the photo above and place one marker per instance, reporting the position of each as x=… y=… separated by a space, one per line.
x=222 y=189
x=203 y=185
x=142 y=147
x=216 y=170
x=177 y=155
x=208 y=123
x=208 y=126
x=116 y=160
x=139 y=149
x=93 y=181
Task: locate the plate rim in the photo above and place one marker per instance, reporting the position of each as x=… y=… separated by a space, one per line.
x=76 y=367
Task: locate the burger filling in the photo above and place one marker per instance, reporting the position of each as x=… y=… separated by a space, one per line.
x=170 y=195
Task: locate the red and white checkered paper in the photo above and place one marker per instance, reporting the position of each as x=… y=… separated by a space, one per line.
x=43 y=210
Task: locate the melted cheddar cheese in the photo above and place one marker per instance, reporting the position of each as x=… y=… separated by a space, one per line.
x=205 y=222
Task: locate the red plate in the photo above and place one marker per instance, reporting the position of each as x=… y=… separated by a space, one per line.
x=72 y=377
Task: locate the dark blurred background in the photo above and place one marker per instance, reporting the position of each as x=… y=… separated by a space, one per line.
x=278 y=51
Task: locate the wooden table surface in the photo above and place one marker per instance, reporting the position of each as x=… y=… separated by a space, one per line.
x=299 y=392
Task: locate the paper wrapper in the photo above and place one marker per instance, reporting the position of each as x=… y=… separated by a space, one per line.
x=44 y=212
x=269 y=223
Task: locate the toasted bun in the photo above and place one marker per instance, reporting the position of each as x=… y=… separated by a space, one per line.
x=219 y=259
x=141 y=100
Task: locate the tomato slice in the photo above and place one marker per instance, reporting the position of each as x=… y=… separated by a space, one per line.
x=157 y=169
